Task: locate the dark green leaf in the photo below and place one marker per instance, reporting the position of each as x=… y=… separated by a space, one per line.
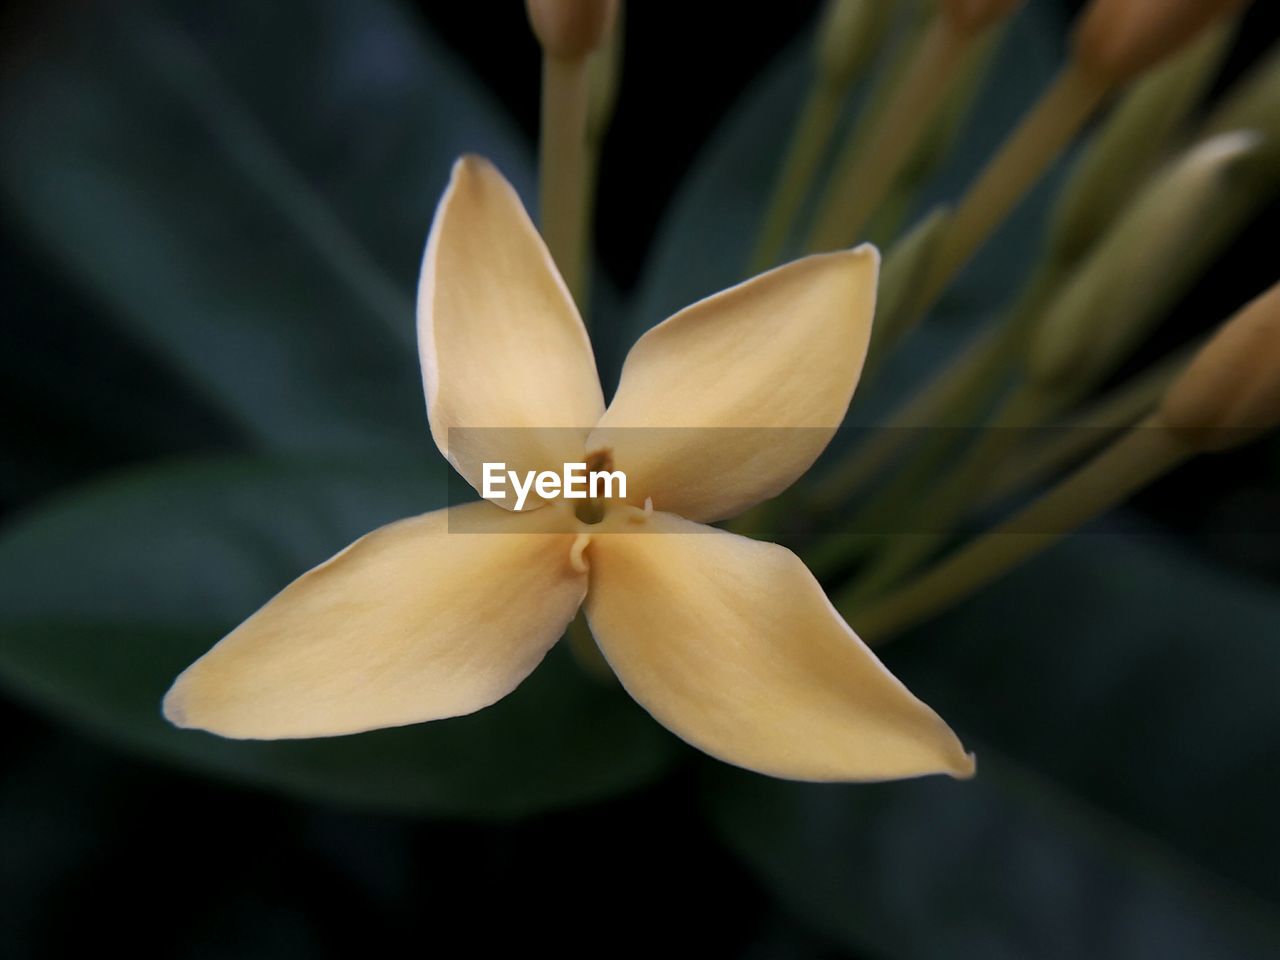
x=1005 y=866
x=1121 y=700
x=107 y=594
x=246 y=188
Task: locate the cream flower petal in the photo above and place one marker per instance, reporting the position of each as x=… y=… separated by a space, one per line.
x=731 y=644
x=774 y=360
x=415 y=621
x=500 y=340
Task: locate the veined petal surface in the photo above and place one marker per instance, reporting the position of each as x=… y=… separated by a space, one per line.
x=506 y=362
x=731 y=644
x=728 y=401
x=411 y=622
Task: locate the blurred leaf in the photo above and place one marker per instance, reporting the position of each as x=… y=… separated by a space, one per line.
x=108 y=594
x=705 y=238
x=1005 y=866
x=1122 y=704
x=63 y=380
x=247 y=188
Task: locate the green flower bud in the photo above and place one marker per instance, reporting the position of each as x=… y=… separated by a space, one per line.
x=1115 y=295
x=848 y=36
x=905 y=265
x=1129 y=143
x=1253 y=103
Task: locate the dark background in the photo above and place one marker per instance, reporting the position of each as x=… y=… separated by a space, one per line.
x=101 y=851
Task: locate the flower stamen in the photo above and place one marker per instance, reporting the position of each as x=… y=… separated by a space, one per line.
x=591 y=511
x=576 y=558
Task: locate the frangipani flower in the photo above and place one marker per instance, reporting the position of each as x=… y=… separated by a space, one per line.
x=728 y=642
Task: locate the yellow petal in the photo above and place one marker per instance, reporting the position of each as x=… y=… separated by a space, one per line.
x=501 y=342
x=411 y=622
x=731 y=644
x=762 y=372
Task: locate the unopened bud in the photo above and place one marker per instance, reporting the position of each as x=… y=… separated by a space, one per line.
x=850 y=32
x=1112 y=299
x=970 y=16
x=905 y=266
x=1116 y=40
x=1230 y=392
x=1253 y=103
x=1128 y=144
x=951 y=118
x=570 y=29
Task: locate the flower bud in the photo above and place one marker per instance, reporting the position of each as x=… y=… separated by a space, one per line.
x=1118 y=39
x=570 y=29
x=905 y=267
x=1129 y=143
x=850 y=32
x=951 y=118
x=1116 y=294
x=970 y=16
x=1230 y=391
x=1253 y=103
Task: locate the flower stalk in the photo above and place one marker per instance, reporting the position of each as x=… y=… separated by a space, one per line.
x=604 y=71
x=1115 y=41
x=935 y=148
x=955 y=396
x=848 y=36
x=1228 y=395
x=976 y=370
x=1093 y=323
x=1138 y=458
x=1043 y=134
x=1131 y=140
x=1100 y=422
x=569 y=32
x=868 y=167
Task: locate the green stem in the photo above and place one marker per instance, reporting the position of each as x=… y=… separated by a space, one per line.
x=953 y=397
x=864 y=174
x=1025 y=156
x=931 y=405
x=564 y=169
x=1100 y=422
x=808 y=144
x=935 y=516
x=1136 y=459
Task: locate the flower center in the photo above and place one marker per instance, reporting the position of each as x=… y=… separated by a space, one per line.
x=592 y=511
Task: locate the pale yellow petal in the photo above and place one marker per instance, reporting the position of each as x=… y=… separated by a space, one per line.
x=731 y=644
x=506 y=362
x=411 y=622
x=726 y=403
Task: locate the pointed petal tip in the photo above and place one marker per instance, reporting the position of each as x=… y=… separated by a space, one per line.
x=788 y=346
x=868 y=250
x=965 y=767
x=472 y=164
x=487 y=289
x=176 y=706
x=861 y=257
x=384 y=634
x=785 y=687
x=173 y=708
